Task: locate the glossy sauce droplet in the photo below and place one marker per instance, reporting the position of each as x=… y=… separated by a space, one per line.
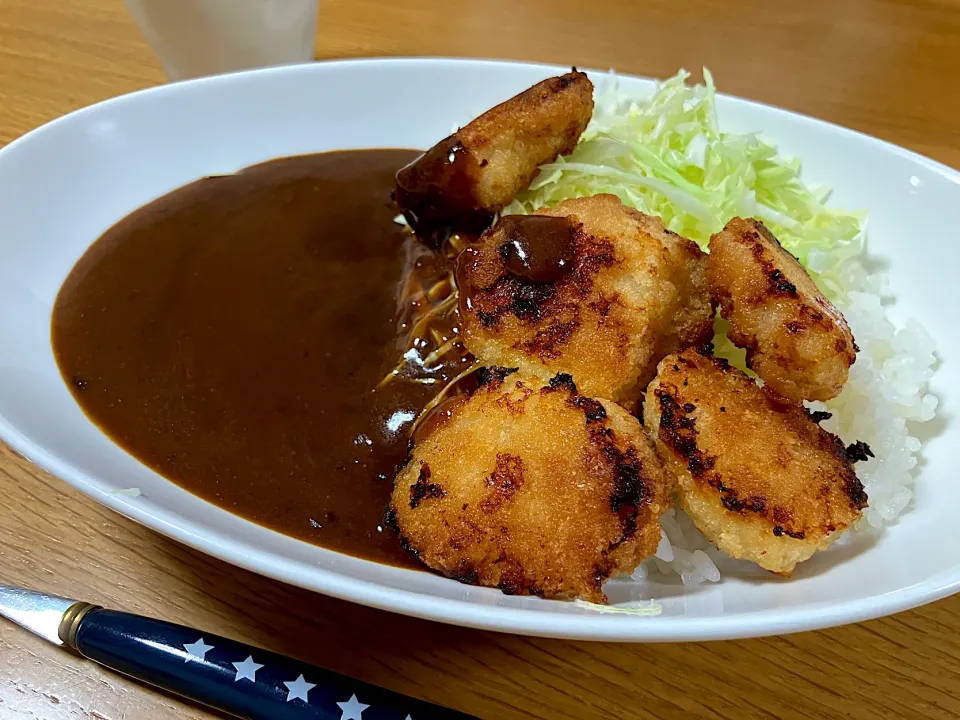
x=437 y=193
x=538 y=248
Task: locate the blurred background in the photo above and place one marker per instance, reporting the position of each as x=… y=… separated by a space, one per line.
x=856 y=62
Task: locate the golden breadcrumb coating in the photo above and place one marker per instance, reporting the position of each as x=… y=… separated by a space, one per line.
x=531 y=488
x=758 y=477
x=631 y=292
x=463 y=180
x=796 y=340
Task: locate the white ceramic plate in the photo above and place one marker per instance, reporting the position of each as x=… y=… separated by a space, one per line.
x=61 y=186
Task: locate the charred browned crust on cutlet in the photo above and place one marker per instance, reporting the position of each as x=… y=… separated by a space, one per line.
x=792 y=333
x=769 y=255
x=424 y=488
x=460 y=183
x=776 y=280
x=521 y=108
x=607 y=293
x=504 y=481
x=678 y=431
x=489 y=292
x=480 y=519
x=492 y=377
x=632 y=488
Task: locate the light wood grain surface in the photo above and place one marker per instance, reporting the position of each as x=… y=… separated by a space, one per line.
x=886 y=67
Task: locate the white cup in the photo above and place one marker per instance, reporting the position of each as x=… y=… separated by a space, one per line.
x=205 y=37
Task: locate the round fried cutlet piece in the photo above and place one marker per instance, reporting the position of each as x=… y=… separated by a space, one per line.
x=531 y=488
x=591 y=288
x=796 y=340
x=758 y=477
x=464 y=179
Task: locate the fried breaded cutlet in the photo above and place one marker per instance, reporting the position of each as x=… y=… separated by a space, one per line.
x=591 y=288
x=463 y=180
x=532 y=488
x=758 y=477
x=796 y=340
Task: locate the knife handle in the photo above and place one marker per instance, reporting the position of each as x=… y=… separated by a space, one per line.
x=238 y=679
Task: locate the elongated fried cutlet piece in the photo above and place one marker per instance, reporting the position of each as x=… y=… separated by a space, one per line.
x=758 y=477
x=532 y=488
x=461 y=182
x=591 y=288
x=796 y=340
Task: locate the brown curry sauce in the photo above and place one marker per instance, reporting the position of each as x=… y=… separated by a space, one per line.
x=231 y=334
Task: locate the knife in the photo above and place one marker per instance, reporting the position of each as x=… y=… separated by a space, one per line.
x=230 y=676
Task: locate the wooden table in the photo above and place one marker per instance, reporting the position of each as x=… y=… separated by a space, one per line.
x=886 y=67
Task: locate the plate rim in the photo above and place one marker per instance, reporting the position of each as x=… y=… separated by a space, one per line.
x=598 y=626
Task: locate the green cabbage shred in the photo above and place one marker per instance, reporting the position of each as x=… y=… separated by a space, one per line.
x=666 y=155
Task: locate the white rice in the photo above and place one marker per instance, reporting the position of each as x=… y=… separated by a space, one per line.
x=884 y=400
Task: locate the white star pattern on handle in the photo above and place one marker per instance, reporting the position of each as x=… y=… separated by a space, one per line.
x=352 y=709
x=197 y=650
x=246 y=669
x=298 y=689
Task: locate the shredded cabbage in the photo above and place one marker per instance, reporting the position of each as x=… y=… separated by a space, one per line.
x=666 y=155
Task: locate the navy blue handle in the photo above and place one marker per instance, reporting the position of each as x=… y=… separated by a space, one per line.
x=236 y=678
